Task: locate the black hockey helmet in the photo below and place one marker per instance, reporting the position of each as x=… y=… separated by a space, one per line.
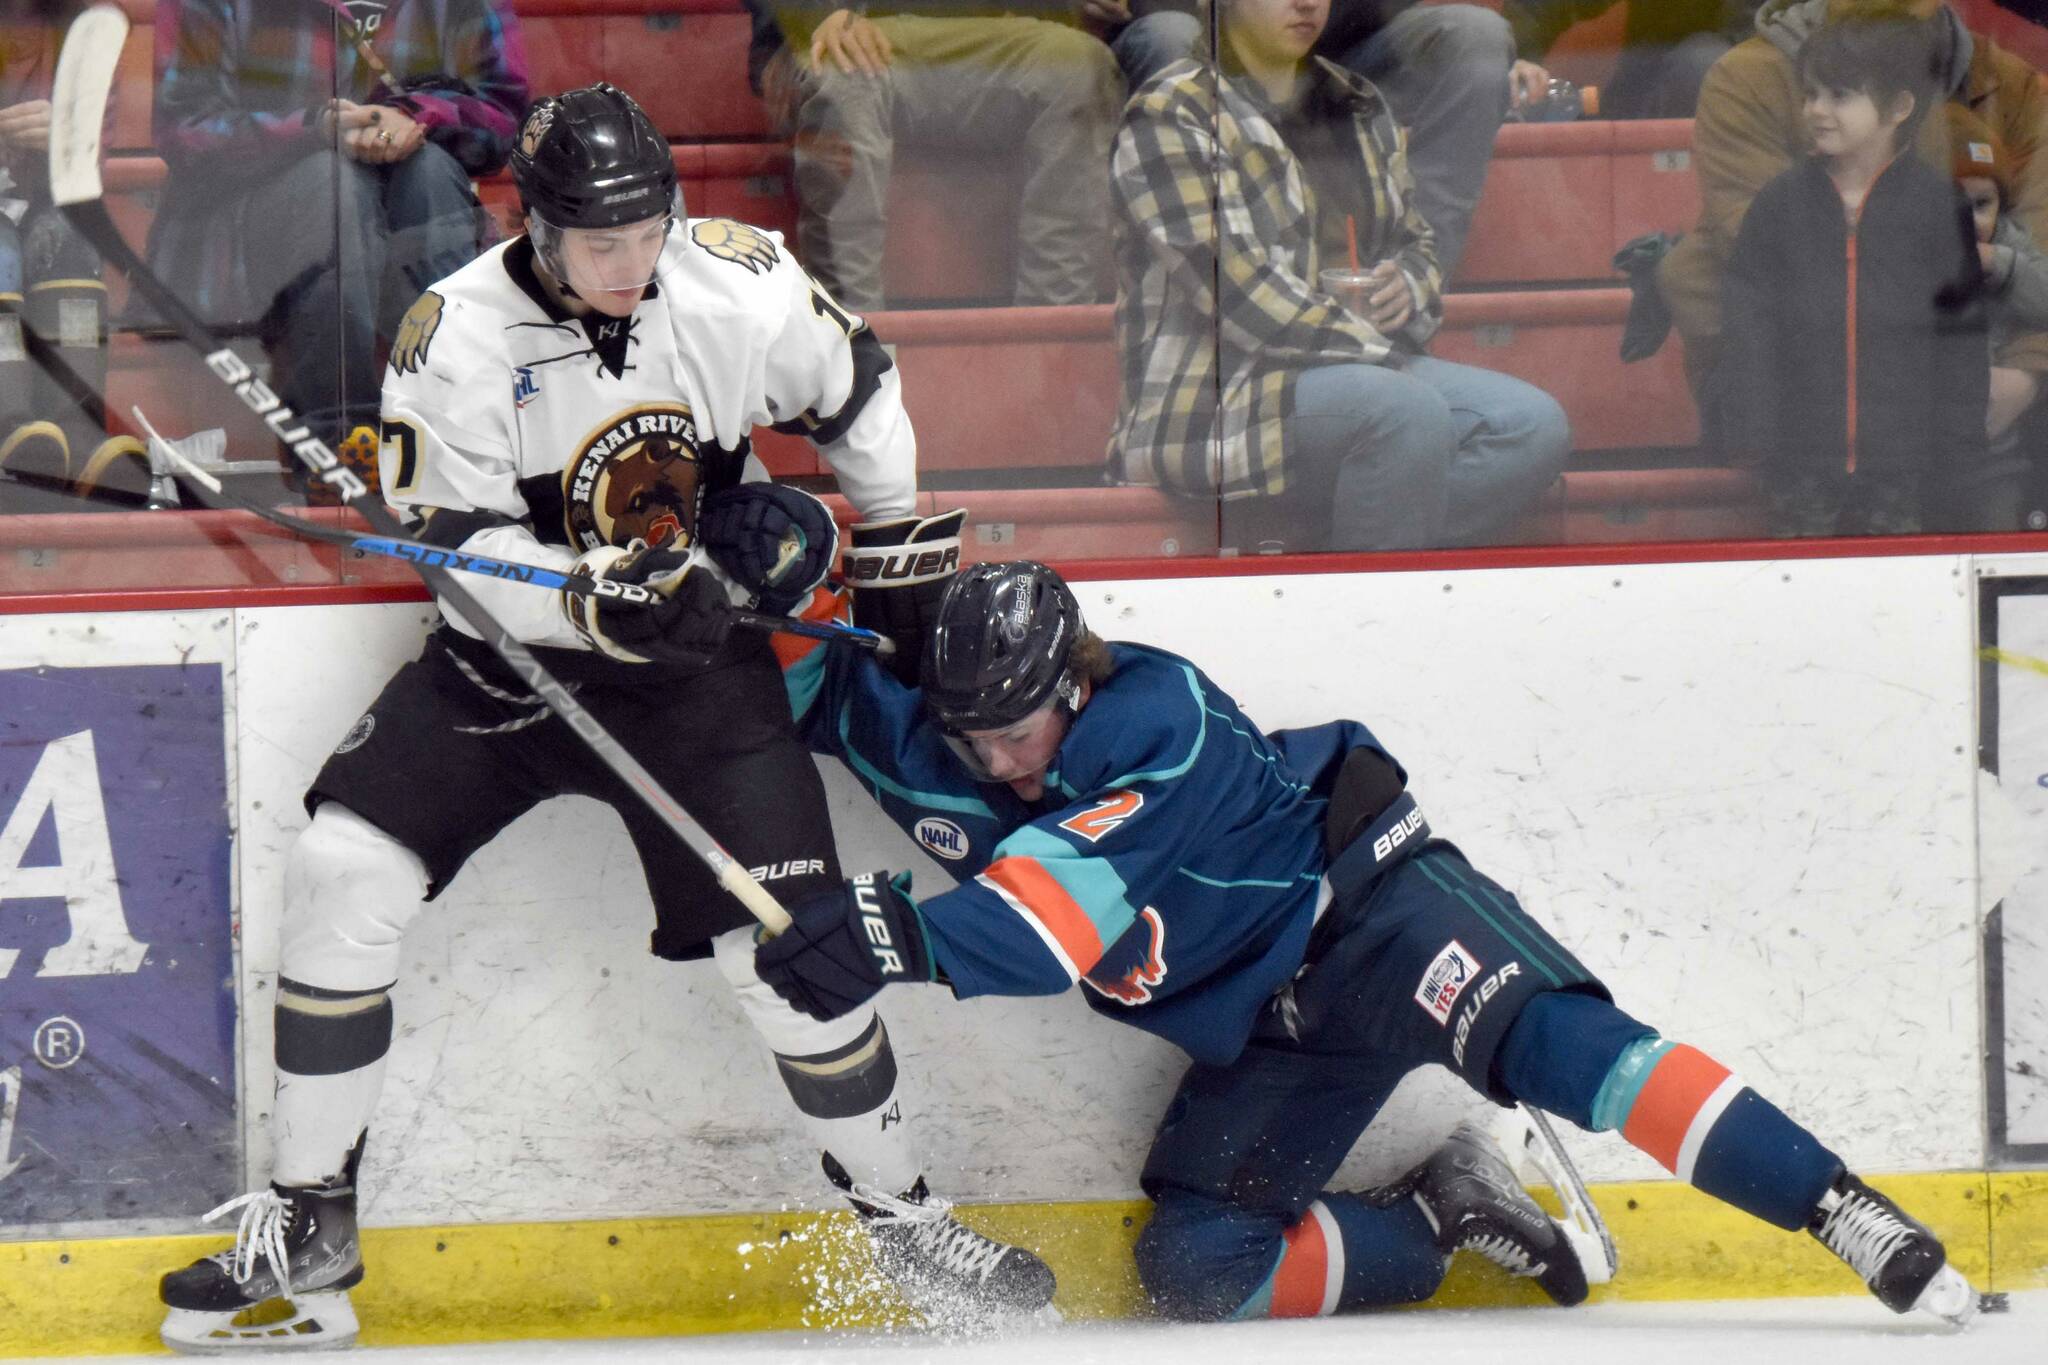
x=591 y=158
x=1001 y=647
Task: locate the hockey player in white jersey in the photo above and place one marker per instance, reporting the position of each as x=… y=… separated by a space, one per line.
x=582 y=397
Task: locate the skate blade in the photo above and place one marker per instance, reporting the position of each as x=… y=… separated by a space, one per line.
x=1536 y=1156
x=313 y=1322
x=1952 y=1298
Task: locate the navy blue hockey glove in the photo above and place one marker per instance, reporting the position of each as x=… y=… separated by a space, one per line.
x=898 y=571
x=775 y=541
x=688 y=627
x=842 y=946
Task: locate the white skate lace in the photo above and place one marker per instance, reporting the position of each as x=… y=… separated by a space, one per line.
x=935 y=1233
x=1864 y=1233
x=1504 y=1252
x=266 y=1216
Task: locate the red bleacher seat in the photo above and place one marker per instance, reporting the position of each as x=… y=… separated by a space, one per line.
x=1546 y=213
x=1655 y=189
x=684 y=60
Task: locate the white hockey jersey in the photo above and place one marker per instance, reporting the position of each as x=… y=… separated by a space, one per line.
x=526 y=434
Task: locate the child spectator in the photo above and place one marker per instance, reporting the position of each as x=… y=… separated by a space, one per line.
x=1857 y=362
x=2016 y=296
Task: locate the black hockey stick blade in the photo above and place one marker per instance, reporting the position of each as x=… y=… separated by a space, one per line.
x=85 y=71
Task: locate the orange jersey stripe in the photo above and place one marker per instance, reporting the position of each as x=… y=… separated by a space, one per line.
x=825 y=605
x=1048 y=902
x=1670 y=1099
x=1304 y=1271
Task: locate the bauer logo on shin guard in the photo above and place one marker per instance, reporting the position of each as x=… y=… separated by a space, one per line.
x=1446 y=980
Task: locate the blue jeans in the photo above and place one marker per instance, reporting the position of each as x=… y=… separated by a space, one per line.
x=1152 y=42
x=348 y=247
x=1419 y=453
x=1444 y=71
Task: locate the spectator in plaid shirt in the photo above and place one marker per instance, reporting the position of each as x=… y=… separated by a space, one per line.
x=1321 y=424
x=321 y=153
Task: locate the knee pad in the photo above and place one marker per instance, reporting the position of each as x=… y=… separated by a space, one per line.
x=1199 y=1260
x=350 y=891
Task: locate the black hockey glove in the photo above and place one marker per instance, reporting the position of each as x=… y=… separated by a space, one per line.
x=898 y=571
x=775 y=541
x=842 y=946
x=688 y=627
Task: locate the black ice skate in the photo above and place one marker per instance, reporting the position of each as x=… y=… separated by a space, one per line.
x=294 y=1244
x=1471 y=1197
x=946 y=1270
x=1903 y=1263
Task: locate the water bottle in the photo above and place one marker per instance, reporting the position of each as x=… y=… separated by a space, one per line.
x=1564 y=102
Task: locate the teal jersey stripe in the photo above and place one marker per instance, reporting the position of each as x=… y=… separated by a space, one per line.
x=804 y=680
x=1194 y=751
x=1260 y=1304
x=1536 y=932
x=1425 y=862
x=1095 y=886
x=1249 y=881
x=1624 y=1083
x=882 y=782
x=1269 y=758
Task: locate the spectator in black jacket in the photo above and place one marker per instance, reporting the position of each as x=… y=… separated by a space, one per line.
x=1856 y=364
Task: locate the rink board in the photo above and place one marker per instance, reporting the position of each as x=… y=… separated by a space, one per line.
x=1747 y=794
x=740 y=1273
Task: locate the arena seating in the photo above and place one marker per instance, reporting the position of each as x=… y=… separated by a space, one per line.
x=1013 y=405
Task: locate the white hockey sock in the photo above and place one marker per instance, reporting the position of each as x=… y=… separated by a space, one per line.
x=841 y=1074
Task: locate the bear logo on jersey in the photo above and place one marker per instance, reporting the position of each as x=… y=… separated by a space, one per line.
x=736 y=242
x=416 y=333
x=638 y=476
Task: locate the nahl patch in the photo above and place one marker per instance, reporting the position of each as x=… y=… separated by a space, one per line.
x=1446 y=979
x=358 y=735
x=942 y=837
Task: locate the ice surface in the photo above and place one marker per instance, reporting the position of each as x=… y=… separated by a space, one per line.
x=1854 y=1331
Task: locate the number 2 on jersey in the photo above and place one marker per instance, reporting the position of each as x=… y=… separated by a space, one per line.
x=1104 y=816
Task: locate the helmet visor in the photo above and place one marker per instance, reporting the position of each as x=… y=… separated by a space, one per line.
x=603 y=260
x=1018 y=749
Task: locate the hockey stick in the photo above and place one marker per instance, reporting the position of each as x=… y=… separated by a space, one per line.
x=506 y=570
x=85 y=77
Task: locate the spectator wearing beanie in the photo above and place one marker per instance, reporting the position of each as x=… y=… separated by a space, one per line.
x=2016 y=293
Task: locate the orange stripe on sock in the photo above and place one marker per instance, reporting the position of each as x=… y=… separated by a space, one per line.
x=1670 y=1099
x=1303 y=1273
x=1040 y=893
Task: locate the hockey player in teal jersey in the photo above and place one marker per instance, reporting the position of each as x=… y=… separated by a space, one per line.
x=1276 y=905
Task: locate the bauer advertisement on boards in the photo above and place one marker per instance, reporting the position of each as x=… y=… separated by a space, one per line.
x=117 y=1014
